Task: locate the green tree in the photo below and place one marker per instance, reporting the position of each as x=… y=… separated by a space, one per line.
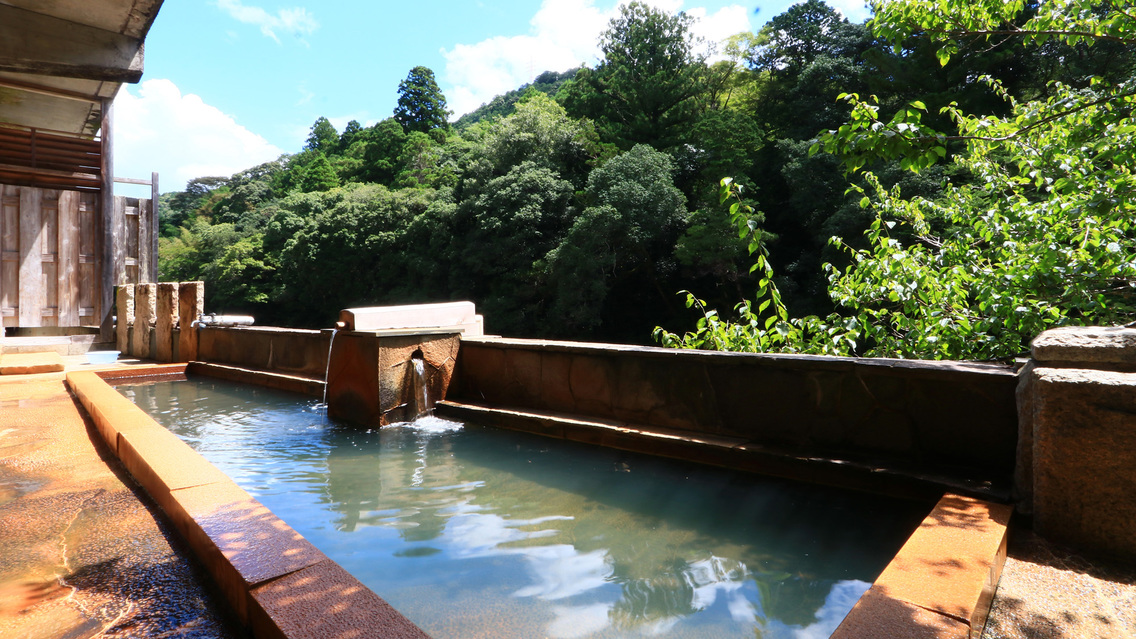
x=421 y=104
x=516 y=220
x=343 y=248
x=1043 y=236
x=645 y=88
x=540 y=131
x=383 y=146
x=318 y=175
x=323 y=137
x=611 y=261
x=350 y=133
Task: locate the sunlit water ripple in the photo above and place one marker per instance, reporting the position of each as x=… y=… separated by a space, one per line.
x=472 y=531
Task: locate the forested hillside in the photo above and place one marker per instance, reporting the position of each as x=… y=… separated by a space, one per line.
x=579 y=206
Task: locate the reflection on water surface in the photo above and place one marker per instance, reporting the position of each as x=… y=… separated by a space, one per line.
x=478 y=532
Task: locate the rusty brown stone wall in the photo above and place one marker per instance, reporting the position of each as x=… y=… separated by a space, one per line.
x=282 y=350
x=920 y=415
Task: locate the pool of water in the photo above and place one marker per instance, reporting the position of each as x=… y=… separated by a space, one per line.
x=478 y=532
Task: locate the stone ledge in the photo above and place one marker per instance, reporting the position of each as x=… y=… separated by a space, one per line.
x=942 y=582
x=291 y=383
x=816 y=362
x=722 y=451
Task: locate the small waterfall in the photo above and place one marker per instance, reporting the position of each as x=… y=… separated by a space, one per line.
x=421 y=388
x=327 y=370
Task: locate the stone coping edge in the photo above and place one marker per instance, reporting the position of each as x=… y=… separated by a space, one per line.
x=280 y=381
x=278 y=584
x=941 y=583
x=722 y=451
x=818 y=362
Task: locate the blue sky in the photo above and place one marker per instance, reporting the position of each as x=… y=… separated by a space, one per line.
x=232 y=83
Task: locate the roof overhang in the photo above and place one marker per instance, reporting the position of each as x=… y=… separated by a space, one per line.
x=60 y=59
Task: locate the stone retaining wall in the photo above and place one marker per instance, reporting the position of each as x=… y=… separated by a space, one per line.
x=925 y=416
x=291 y=351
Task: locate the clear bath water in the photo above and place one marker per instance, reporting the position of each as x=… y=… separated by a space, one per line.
x=479 y=532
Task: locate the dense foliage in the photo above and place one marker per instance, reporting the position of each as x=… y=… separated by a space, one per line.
x=1036 y=232
x=578 y=205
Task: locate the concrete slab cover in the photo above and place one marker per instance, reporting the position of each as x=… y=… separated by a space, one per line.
x=1086 y=346
x=456 y=314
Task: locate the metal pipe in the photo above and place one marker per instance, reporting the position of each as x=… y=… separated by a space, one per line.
x=222 y=320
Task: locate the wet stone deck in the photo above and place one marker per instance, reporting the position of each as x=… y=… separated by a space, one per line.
x=81 y=553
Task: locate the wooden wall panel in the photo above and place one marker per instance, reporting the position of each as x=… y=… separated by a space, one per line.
x=51 y=254
x=30 y=307
x=68 y=258
x=130 y=238
x=145 y=239
x=9 y=254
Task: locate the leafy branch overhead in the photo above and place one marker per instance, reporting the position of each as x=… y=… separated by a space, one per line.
x=1039 y=234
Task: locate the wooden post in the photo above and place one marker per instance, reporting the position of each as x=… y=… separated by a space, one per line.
x=165 y=322
x=124 y=304
x=191 y=303
x=109 y=231
x=155 y=227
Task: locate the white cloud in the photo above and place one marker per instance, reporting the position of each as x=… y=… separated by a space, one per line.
x=296 y=21
x=563 y=34
x=855 y=10
x=180 y=136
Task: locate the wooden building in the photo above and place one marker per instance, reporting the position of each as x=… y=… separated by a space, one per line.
x=65 y=239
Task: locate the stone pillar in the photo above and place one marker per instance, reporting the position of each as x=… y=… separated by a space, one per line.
x=124 y=303
x=191 y=303
x=1078 y=438
x=145 y=308
x=165 y=322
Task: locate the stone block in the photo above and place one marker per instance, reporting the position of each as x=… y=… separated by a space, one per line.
x=323 y=601
x=942 y=581
x=145 y=312
x=191 y=304
x=1084 y=459
x=952 y=562
x=238 y=540
x=165 y=320
x=878 y=615
x=1086 y=346
x=124 y=311
x=371 y=380
x=161 y=462
x=30 y=363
